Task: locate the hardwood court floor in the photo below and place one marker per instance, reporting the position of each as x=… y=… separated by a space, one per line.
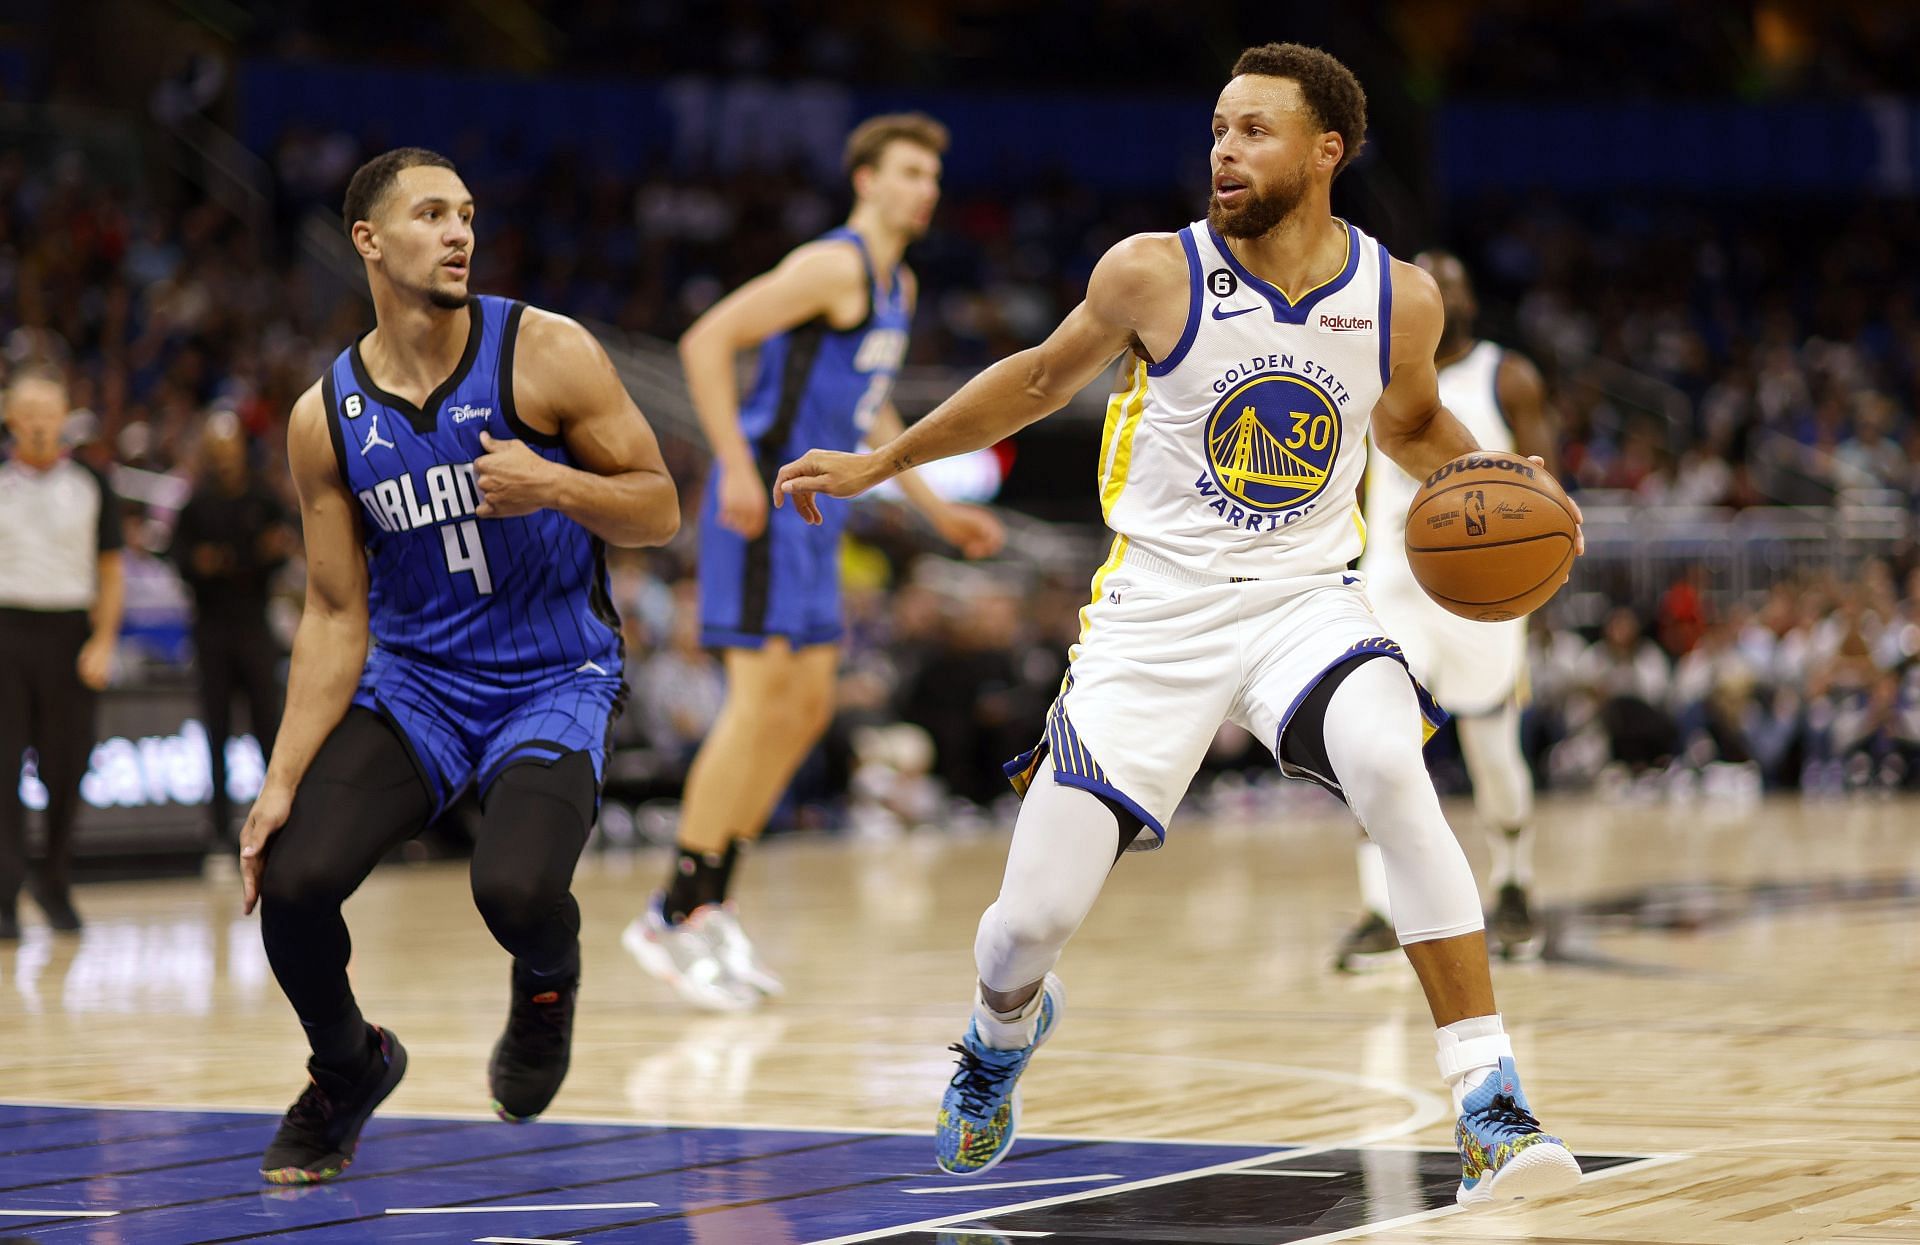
x=1738 y=988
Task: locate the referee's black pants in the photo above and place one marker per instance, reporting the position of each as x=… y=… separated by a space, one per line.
x=45 y=706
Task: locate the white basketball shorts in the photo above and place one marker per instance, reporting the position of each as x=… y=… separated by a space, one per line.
x=1166 y=655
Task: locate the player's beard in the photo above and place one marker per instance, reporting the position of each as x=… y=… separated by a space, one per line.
x=448 y=300
x=1259 y=211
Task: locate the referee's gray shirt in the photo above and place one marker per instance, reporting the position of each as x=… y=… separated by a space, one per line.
x=54 y=525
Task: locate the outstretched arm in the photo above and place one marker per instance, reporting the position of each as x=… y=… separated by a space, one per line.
x=973 y=530
x=1131 y=283
x=621 y=491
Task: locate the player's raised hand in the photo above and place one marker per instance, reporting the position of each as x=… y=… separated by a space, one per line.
x=823 y=471
x=513 y=480
x=1579 y=535
x=743 y=499
x=974 y=530
x=269 y=813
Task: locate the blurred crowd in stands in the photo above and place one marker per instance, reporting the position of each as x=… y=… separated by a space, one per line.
x=1641 y=48
x=1814 y=687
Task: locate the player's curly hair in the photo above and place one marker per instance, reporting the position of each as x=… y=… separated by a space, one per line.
x=372 y=180
x=871 y=137
x=1329 y=87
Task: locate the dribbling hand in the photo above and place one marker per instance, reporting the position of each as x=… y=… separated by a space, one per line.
x=1579 y=536
x=823 y=471
x=269 y=814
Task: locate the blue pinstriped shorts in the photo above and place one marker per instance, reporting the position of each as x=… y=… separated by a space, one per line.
x=462 y=727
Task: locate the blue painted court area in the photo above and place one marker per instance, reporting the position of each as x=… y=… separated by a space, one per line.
x=193 y=1176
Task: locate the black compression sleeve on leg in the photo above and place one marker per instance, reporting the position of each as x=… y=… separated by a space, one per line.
x=359 y=798
x=534 y=822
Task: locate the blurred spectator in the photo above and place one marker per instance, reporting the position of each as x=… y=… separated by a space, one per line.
x=1626 y=675
x=231 y=537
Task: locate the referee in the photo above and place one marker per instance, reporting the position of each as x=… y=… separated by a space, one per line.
x=60 y=597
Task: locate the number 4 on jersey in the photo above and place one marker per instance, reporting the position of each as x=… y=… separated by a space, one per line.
x=466 y=553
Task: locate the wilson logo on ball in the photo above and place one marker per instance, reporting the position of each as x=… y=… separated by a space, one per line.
x=1477 y=462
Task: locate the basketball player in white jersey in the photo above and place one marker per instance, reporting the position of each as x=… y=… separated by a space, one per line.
x=1263 y=345
x=1477 y=670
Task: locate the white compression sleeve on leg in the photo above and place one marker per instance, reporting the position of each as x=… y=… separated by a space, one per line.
x=1372 y=735
x=1502 y=790
x=1064 y=843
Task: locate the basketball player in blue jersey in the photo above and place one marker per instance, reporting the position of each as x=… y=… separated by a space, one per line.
x=460 y=469
x=831 y=324
x=1265 y=346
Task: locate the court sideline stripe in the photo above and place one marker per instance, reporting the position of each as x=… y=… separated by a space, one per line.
x=535 y=1192
x=343 y=1180
x=795 y=1196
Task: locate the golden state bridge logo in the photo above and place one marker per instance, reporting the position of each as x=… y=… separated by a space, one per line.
x=1271 y=444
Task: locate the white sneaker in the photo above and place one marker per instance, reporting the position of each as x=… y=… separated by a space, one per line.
x=736 y=952
x=685 y=957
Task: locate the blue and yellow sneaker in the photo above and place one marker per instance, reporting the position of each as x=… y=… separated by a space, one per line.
x=1505 y=1155
x=980 y=1112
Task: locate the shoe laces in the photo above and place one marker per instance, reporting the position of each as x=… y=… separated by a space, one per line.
x=312 y=1110
x=540 y=1021
x=1504 y=1117
x=981 y=1080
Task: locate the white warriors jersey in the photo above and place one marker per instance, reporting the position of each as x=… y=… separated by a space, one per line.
x=1241 y=452
x=1467 y=388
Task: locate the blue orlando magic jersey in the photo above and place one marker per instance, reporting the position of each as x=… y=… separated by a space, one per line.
x=819 y=387
x=494 y=597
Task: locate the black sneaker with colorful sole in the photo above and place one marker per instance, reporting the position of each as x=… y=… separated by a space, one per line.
x=531 y=1058
x=321 y=1130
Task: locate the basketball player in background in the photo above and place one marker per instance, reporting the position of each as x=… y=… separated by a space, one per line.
x=830 y=323
x=460 y=469
x=1227 y=474
x=1477 y=670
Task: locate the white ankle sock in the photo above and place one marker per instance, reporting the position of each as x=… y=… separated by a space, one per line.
x=1511 y=849
x=1007 y=1030
x=1470 y=1052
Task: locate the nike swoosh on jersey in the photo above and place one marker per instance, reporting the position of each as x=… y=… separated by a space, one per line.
x=1228 y=315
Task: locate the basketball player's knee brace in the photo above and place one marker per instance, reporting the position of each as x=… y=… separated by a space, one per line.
x=1063 y=848
x=1502 y=787
x=1372 y=733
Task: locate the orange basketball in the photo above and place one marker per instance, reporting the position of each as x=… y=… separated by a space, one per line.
x=1490 y=536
